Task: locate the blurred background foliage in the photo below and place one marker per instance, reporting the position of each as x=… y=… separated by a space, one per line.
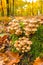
x=21 y=7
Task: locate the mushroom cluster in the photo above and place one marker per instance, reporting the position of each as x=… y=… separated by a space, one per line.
x=14 y=27
x=23 y=44
x=30 y=27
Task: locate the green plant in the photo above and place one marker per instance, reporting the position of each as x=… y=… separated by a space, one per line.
x=39 y=33
x=21 y=24
x=37 y=46
x=13 y=39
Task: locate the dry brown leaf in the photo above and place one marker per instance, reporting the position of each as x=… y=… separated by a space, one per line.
x=10 y=58
x=3 y=57
x=38 y=61
x=4 y=37
x=0 y=40
x=4 y=42
x=14 y=57
x=12 y=54
x=13 y=62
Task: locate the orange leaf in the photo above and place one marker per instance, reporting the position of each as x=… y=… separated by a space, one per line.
x=38 y=61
